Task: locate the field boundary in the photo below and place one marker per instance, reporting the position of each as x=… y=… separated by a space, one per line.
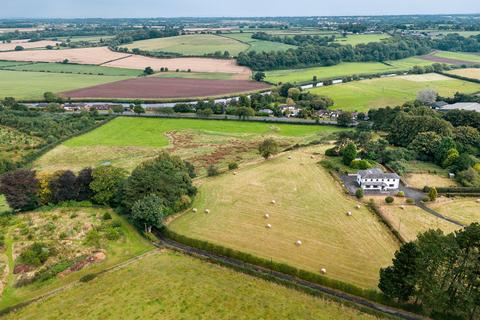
x=299 y=280
x=101 y=64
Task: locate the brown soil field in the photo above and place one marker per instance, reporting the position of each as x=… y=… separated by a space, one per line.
x=26 y=44
x=433 y=58
x=195 y=64
x=160 y=88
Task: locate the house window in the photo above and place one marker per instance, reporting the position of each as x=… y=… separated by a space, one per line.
x=392 y=185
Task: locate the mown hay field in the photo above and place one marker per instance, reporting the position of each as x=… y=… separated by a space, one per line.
x=343 y=70
x=167 y=285
x=309 y=207
x=472 y=73
x=380 y=92
x=26 y=45
x=126 y=142
x=191 y=45
x=355 y=39
x=463 y=210
x=258 y=45
x=32 y=85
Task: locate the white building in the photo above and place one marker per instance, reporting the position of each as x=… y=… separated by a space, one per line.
x=377 y=180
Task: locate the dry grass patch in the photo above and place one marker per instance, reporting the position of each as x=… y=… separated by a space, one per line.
x=309 y=206
x=420 y=180
x=412 y=220
x=463 y=210
x=424 y=77
x=472 y=73
x=26 y=45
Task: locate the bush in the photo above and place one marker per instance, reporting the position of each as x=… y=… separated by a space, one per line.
x=401 y=194
x=425 y=199
x=410 y=201
x=360 y=164
x=112 y=233
x=107 y=216
x=88 y=277
x=232 y=166
x=359 y=193
x=332 y=152
x=212 y=171
x=36 y=254
x=389 y=199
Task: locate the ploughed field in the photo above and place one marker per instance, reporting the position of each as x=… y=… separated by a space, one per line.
x=126 y=142
x=309 y=207
x=164 y=88
x=457 y=58
x=166 y=285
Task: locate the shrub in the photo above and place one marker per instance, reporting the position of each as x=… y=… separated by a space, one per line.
x=112 y=233
x=401 y=194
x=36 y=254
x=93 y=238
x=360 y=164
x=212 y=171
x=410 y=201
x=232 y=166
x=359 y=193
x=107 y=216
x=88 y=277
x=425 y=199
x=389 y=199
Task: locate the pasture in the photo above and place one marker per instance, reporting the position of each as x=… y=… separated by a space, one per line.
x=342 y=70
x=258 y=45
x=191 y=45
x=32 y=85
x=367 y=94
x=412 y=220
x=468 y=57
x=463 y=210
x=166 y=285
x=72 y=68
x=472 y=73
x=126 y=142
x=356 y=39
x=309 y=207
x=69 y=231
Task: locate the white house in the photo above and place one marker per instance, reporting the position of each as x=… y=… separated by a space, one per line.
x=377 y=180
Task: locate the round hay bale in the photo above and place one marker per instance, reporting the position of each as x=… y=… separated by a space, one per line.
x=349 y=213
x=323 y=271
x=273 y=202
x=290 y=157
x=402 y=207
x=267 y=216
x=234 y=173
x=298 y=243
x=478 y=200
x=194 y=210
x=312 y=157
x=359 y=206
x=207 y=210
x=268 y=226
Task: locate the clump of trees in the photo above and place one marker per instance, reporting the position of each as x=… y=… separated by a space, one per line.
x=438 y=272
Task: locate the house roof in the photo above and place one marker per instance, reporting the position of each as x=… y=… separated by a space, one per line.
x=376 y=173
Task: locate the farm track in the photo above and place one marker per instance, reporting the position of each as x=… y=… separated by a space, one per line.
x=286 y=279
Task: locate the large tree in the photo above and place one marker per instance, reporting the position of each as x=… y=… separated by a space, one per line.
x=20 y=187
x=107 y=184
x=268 y=148
x=84 y=179
x=63 y=187
x=149 y=212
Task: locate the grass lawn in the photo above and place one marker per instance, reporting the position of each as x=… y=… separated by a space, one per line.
x=198 y=44
x=3 y=204
x=258 y=45
x=74 y=68
x=472 y=73
x=48 y=226
x=125 y=142
x=32 y=85
x=367 y=94
x=463 y=210
x=310 y=207
x=412 y=220
x=342 y=70
x=168 y=285
x=469 y=57
x=354 y=39
x=420 y=180
x=197 y=75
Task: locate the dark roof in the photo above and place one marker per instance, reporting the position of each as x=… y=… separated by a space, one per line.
x=376 y=173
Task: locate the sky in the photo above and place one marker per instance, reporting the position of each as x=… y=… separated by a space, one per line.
x=227 y=8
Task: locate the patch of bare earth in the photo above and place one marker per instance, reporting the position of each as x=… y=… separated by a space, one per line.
x=433 y=58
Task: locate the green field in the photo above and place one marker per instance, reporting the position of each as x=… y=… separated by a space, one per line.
x=32 y=85
x=167 y=285
x=259 y=45
x=73 y=68
x=309 y=207
x=467 y=57
x=342 y=70
x=189 y=45
x=126 y=142
x=367 y=94
x=197 y=75
x=84 y=38
x=65 y=229
x=355 y=39
x=5 y=64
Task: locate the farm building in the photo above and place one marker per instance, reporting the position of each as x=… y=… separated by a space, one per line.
x=377 y=180
x=467 y=106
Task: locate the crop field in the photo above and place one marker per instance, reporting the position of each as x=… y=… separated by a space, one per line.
x=342 y=70
x=72 y=68
x=367 y=94
x=457 y=58
x=191 y=45
x=164 y=88
x=258 y=45
x=355 y=39
x=197 y=75
x=126 y=142
x=412 y=220
x=26 y=45
x=472 y=73
x=32 y=85
x=309 y=207
x=463 y=210
x=68 y=232
x=166 y=285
